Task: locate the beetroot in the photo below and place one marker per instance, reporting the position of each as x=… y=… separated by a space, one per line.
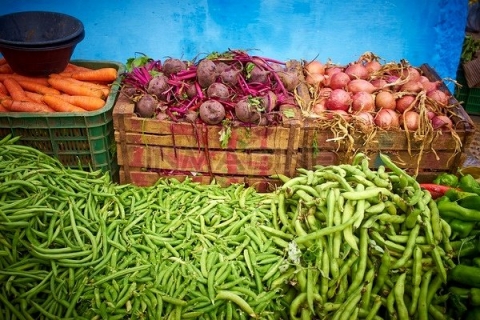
x=171 y=66
x=212 y=112
x=218 y=90
x=230 y=76
x=289 y=79
x=247 y=111
x=206 y=73
x=258 y=75
x=146 y=106
x=158 y=86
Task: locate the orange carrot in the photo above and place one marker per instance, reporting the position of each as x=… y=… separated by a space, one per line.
x=3 y=109
x=24 y=106
x=41 y=80
x=95 y=86
x=75 y=89
x=37 y=97
x=5 y=68
x=59 y=105
x=102 y=75
x=84 y=102
x=37 y=87
x=3 y=89
x=74 y=68
x=15 y=90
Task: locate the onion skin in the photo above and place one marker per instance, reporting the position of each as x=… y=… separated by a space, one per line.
x=339 y=99
x=363 y=101
x=357 y=71
x=385 y=100
x=404 y=103
x=338 y=80
x=410 y=120
x=387 y=119
x=358 y=85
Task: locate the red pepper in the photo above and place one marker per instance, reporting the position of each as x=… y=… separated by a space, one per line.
x=436 y=190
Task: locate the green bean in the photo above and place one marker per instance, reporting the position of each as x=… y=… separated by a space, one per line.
x=422 y=310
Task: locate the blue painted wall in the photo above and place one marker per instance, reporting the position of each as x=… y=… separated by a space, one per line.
x=420 y=31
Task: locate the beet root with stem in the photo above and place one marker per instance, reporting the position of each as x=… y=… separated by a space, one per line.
x=212 y=112
x=146 y=106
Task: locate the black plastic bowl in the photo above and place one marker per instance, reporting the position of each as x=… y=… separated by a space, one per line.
x=38 y=43
x=38 y=28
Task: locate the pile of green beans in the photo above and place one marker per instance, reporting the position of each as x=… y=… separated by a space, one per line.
x=75 y=245
x=371 y=243
x=335 y=242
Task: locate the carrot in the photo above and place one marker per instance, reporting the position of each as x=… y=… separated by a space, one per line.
x=101 y=75
x=41 y=80
x=84 y=102
x=24 y=106
x=15 y=90
x=3 y=109
x=3 y=89
x=95 y=86
x=5 y=68
x=72 y=88
x=59 y=105
x=36 y=97
x=37 y=87
x=74 y=68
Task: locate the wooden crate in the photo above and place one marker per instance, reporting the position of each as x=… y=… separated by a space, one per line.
x=320 y=146
x=149 y=149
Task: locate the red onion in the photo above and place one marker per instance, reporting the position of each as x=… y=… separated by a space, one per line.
x=442 y=122
x=412 y=86
x=332 y=70
x=385 y=100
x=379 y=83
x=410 y=120
x=358 y=85
x=365 y=118
x=339 y=100
x=404 y=103
x=430 y=85
x=439 y=96
x=315 y=78
x=387 y=119
x=413 y=73
x=357 y=71
x=339 y=80
x=315 y=66
x=319 y=107
x=373 y=66
x=363 y=101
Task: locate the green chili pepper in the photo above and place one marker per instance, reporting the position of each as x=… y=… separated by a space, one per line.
x=469 y=184
x=454 y=210
x=462 y=228
x=446 y=179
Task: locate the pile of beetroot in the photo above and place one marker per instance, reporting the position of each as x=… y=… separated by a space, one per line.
x=249 y=90
x=232 y=85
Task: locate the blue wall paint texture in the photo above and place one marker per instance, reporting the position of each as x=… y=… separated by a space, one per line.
x=419 y=31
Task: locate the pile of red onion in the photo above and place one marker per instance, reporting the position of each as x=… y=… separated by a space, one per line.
x=389 y=96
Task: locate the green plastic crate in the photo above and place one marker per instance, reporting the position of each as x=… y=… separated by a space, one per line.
x=470 y=97
x=78 y=140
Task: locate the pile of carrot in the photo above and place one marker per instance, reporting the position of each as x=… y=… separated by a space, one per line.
x=75 y=89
